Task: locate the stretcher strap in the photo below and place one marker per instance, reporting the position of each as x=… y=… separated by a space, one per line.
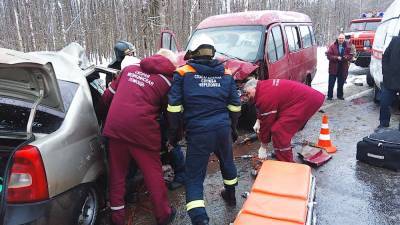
x=195 y=204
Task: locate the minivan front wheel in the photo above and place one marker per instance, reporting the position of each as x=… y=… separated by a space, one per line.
x=86 y=208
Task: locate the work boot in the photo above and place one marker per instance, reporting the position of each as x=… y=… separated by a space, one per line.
x=229 y=196
x=202 y=222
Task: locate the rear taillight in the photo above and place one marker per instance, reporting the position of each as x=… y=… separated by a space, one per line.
x=27 y=182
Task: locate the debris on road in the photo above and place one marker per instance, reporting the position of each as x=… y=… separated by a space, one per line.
x=249 y=138
x=245 y=194
x=314 y=156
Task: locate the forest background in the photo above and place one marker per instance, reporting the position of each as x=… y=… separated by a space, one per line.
x=38 y=25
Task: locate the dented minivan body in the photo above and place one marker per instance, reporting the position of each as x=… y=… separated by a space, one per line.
x=51 y=157
x=258 y=44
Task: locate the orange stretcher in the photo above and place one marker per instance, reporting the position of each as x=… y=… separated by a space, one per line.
x=282 y=194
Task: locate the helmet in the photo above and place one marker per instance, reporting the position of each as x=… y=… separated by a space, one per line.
x=123 y=48
x=203 y=45
x=202 y=39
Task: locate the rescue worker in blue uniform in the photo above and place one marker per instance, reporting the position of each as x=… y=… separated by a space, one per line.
x=205 y=94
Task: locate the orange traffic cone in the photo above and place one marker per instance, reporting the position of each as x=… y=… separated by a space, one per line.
x=324 y=140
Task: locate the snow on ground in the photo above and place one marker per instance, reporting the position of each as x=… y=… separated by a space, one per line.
x=320 y=81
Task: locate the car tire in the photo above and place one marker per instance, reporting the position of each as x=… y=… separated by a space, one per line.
x=370 y=79
x=87 y=207
x=377 y=94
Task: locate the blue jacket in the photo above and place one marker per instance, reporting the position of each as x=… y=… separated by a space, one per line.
x=205 y=93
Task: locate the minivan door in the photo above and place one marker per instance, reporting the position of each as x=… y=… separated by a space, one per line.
x=295 y=55
x=276 y=58
x=168 y=41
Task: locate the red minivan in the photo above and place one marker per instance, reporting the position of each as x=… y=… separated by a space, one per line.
x=259 y=44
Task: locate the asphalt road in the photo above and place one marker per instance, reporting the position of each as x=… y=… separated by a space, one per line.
x=348 y=192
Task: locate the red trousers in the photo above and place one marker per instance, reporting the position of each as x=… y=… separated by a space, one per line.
x=286 y=126
x=120 y=155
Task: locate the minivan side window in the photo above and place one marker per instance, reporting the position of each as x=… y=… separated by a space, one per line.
x=271 y=48
x=277 y=33
x=314 y=42
x=275 y=44
x=293 y=40
x=290 y=38
x=296 y=37
x=305 y=36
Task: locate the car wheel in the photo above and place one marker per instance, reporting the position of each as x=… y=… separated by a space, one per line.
x=377 y=94
x=86 y=208
x=370 y=79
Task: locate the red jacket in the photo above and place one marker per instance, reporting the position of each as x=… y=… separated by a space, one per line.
x=140 y=95
x=287 y=102
x=334 y=63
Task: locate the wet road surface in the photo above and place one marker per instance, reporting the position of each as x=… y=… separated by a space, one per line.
x=348 y=192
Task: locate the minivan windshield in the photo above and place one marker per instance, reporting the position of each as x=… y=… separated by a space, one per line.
x=363 y=26
x=241 y=42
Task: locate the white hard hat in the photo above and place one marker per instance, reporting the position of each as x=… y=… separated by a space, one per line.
x=202 y=39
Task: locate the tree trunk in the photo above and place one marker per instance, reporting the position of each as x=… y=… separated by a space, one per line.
x=20 y=45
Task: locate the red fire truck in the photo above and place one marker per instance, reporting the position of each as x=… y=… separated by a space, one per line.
x=361 y=34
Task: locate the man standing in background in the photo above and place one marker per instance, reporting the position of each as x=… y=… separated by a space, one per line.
x=339 y=55
x=391 y=80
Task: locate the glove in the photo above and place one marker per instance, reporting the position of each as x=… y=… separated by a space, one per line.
x=256 y=126
x=262 y=151
x=234 y=116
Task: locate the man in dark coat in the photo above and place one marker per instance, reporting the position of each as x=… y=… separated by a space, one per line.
x=391 y=79
x=132 y=126
x=208 y=95
x=339 y=55
x=283 y=108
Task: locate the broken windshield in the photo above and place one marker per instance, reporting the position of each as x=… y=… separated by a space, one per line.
x=241 y=42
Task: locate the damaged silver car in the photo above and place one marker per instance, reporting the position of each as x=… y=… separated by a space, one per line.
x=52 y=162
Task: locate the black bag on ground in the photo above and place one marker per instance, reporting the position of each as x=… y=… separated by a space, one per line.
x=381 y=149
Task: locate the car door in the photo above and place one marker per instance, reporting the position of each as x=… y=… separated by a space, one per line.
x=296 y=69
x=276 y=58
x=168 y=41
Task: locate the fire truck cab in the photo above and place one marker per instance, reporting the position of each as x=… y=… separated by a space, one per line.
x=361 y=34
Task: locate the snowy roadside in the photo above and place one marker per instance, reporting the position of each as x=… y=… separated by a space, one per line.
x=320 y=81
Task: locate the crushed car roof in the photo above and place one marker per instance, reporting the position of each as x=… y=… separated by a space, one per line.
x=67 y=63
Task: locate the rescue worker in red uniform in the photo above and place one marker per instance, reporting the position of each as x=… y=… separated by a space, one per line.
x=283 y=108
x=209 y=97
x=140 y=93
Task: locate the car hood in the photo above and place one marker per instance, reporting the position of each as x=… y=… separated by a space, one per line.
x=240 y=69
x=26 y=77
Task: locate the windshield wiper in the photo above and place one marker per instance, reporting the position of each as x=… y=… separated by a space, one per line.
x=232 y=57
